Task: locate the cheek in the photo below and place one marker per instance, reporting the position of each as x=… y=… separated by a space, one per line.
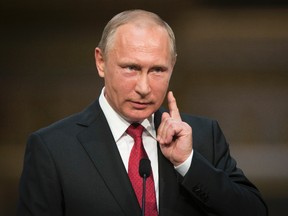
x=160 y=83
x=118 y=82
x=160 y=89
x=123 y=88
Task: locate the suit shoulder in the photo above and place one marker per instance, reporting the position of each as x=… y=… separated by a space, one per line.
x=199 y=120
x=66 y=123
x=72 y=122
x=202 y=126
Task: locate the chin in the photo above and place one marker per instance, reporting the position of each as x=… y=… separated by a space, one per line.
x=137 y=117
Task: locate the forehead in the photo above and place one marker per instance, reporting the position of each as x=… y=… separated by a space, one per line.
x=141 y=36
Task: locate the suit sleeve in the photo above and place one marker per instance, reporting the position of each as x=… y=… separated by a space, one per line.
x=218 y=186
x=39 y=189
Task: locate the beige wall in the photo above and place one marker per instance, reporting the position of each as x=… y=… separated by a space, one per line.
x=232 y=66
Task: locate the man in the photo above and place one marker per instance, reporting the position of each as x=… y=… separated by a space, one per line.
x=82 y=165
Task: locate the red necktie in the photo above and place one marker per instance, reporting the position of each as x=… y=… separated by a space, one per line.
x=136 y=154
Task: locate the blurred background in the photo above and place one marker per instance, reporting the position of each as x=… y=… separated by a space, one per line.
x=232 y=66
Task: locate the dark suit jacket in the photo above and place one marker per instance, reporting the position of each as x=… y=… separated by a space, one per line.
x=73 y=168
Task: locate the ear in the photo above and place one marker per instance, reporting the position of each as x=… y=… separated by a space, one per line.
x=100 y=62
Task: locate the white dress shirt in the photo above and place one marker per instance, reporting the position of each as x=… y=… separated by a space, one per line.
x=125 y=142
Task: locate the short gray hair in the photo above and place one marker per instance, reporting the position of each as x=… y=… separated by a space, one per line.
x=130 y=16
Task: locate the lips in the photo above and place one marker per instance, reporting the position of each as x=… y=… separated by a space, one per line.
x=140 y=105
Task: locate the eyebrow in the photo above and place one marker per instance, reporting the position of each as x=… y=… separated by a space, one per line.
x=125 y=64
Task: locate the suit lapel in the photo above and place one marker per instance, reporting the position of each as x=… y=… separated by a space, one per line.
x=99 y=144
x=168 y=186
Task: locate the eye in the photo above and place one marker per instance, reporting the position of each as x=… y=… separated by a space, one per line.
x=131 y=67
x=158 y=69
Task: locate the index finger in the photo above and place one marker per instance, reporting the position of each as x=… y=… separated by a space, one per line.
x=172 y=105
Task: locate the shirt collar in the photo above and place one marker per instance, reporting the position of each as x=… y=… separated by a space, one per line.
x=118 y=124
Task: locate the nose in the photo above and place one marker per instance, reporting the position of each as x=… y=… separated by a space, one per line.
x=142 y=85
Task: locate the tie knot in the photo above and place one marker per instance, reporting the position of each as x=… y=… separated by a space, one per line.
x=135 y=130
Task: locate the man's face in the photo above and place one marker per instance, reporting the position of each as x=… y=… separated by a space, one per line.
x=136 y=70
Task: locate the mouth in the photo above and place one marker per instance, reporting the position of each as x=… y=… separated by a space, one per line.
x=140 y=105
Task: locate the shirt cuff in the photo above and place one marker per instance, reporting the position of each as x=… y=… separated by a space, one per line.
x=183 y=168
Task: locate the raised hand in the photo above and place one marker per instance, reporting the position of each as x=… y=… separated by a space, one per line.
x=174 y=135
